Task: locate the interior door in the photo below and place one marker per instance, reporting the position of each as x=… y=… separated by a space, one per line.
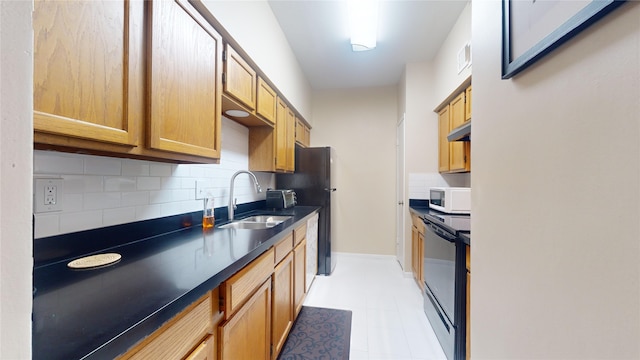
x=400 y=192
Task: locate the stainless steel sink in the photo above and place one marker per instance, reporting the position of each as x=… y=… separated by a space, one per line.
x=256 y=222
x=266 y=218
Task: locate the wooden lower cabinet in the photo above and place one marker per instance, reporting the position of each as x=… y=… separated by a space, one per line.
x=247 y=334
x=282 y=303
x=253 y=312
x=205 y=351
x=299 y=275
x=183 y=335
x=417 y=249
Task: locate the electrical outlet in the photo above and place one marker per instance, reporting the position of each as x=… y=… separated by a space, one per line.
x=47 y=195
x=50 y=194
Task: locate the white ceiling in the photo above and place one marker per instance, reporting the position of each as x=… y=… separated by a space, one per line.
x=409 y=31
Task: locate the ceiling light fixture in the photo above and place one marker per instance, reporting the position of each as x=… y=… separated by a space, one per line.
x=363 y=24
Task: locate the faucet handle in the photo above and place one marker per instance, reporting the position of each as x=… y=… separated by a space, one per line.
x=235 y=203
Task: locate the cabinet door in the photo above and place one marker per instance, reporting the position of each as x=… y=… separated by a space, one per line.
x=299 y=275
x=178 y=336
x=204 y=351
x=267 y=101
x=414 y=251
x=443 y=143
x=282 y=303
x=83 y=66
x=247 y=335
x=281 y=135
x=185 y=84
x=240 y=78
x=467 y=103
x=290 y=144
x=302 y=133
x=420 y=260
x=457 y=149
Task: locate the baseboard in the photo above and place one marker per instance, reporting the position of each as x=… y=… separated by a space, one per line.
x=365 y=256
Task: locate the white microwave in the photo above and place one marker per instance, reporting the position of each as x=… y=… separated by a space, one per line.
x=451 y=200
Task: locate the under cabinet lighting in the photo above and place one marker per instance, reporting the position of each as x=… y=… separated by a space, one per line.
x=363 y=24
x=237 y=113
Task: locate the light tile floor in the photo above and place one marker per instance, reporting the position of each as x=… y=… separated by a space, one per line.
x=388 y=320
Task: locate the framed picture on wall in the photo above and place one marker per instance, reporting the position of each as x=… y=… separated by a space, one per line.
x=533 y=28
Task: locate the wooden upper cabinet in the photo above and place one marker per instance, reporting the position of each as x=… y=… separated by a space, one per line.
x=267 y=101
x=281 y=135
x=454 y=111
x=184 y=93
x=290 y=145
x=467 y=108
x=84 y=69
x=303 y=133
x=443 y=143
x=240 y=79
x=458 y=150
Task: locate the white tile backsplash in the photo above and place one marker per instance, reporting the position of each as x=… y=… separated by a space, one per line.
x=419 y=183
x=96 y=165
x=104 y=191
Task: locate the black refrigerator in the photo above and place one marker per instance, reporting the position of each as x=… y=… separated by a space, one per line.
x=315 y=185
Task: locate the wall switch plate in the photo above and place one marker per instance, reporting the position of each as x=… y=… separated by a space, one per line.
x=47 y=195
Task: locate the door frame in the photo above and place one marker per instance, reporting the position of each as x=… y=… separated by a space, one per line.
x=400 y=191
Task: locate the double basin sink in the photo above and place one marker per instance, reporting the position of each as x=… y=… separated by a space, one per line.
x=256 y=222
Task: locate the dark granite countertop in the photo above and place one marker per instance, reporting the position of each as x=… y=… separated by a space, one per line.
x=101 y=313
x=421 y=209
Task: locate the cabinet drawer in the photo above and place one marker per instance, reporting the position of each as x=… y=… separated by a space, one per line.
x=284 y=247
x=418 y=223
x=181 y=334
x=204 y=351
x=236 y=290
x=300 y=233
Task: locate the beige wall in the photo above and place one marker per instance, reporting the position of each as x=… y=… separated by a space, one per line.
x=556 y=195
x=446 y=76
x=266 y=44
x=361 y=124
x=16 y=129
x=423 y=87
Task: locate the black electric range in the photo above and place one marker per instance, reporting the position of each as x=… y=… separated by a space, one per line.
x=445 y=285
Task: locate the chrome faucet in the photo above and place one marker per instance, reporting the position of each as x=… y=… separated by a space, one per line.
x=232 y=201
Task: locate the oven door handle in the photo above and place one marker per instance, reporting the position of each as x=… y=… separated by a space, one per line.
x=441 y=233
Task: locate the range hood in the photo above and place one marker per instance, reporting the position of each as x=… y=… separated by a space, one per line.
x=461 y=133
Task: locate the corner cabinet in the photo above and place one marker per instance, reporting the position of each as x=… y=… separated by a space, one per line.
x=273 y=149
x=185 y=84
x=455 y=156
x=127 y=79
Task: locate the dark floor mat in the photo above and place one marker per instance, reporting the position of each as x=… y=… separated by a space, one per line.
x=319 y=334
